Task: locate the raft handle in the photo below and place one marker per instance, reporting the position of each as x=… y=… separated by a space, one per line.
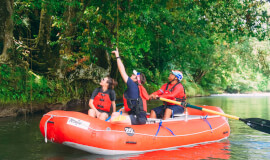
x=131 y=142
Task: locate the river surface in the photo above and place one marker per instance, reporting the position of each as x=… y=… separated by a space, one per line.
x=21 y=139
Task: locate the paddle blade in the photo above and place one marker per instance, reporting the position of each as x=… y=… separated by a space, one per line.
x=262 y=125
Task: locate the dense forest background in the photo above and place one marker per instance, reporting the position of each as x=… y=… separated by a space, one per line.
x=57 y=50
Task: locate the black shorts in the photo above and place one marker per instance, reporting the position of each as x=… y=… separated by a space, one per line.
x=161 y=110
x=101 y=111
x=141 y=119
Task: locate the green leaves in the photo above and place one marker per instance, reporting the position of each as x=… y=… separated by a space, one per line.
x=207 y=40
x=19 y=85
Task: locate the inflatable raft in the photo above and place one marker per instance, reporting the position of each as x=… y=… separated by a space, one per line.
x=83 y=132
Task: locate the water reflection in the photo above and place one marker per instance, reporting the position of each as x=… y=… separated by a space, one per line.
x=219 y=150
x=20 y=137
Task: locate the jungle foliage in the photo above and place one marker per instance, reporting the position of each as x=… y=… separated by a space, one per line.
x=60 y=49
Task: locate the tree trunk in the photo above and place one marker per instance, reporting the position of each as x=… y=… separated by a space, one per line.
x=199 y=75
x=72 y=20
x=6 y=28
x=42 y=59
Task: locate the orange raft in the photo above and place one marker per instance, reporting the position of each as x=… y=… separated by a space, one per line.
x=80 y=131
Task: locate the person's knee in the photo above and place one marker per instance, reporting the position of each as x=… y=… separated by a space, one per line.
x=103 y=116
x=153 y=114
x=115 y=114
x=168 y=110
x=91 y=113
x=167 y=114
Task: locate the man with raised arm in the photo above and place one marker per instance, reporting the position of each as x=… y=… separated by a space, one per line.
x=135 y=113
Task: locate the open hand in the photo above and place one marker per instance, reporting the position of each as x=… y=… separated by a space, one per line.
x=116 y=52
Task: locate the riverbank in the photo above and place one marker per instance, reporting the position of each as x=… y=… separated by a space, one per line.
x=13 y=110
x=255 y=94
x=66 y=97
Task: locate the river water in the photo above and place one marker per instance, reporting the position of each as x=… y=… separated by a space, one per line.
x=20 y=137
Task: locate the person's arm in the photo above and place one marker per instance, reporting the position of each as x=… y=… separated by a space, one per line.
x=158 y=92
x=114 y=106
x=120 y=66
x=92 y=106
x=91 y=101
x=113 y=98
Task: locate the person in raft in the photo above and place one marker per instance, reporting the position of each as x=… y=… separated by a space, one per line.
x=134 y=97
x=102 y=99
x=173 y=90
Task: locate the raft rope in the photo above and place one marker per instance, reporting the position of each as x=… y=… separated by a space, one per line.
x=205 y=119
x=98 y=130
x=160 y=124
x=45 y=128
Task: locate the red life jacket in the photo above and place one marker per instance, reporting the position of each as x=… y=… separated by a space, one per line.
x=102 y=101
x=144 y=95
x=180 y=98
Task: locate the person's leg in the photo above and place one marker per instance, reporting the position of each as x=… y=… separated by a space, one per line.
x=103 y=116
x=92 y=113
x=173 y=108
x=157 y=112
x=114 y=114
x=121 y=119
x=167 y=114
x=153 y=114
x=117 y=118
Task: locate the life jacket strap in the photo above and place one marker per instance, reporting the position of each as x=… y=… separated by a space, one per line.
x=100 y=106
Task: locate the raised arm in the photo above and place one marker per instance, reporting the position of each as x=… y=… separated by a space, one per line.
x=120 y=66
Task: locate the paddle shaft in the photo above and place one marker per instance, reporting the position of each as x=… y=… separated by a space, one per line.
x=200 y=108
x=259 y=124
x=119 y=104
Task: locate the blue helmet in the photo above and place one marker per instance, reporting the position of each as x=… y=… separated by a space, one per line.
x=178 y=74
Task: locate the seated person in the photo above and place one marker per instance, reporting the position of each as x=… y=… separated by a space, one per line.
x=173 y=90
x=102 y=99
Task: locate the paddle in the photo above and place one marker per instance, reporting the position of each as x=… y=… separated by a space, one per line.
x=259 y=124
x=119 y=104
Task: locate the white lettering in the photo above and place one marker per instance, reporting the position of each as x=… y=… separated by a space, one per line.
x=129 y=130
x=78 y=123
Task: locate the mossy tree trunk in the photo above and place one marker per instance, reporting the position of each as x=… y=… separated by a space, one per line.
x=42 y=58
x=6 y=28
